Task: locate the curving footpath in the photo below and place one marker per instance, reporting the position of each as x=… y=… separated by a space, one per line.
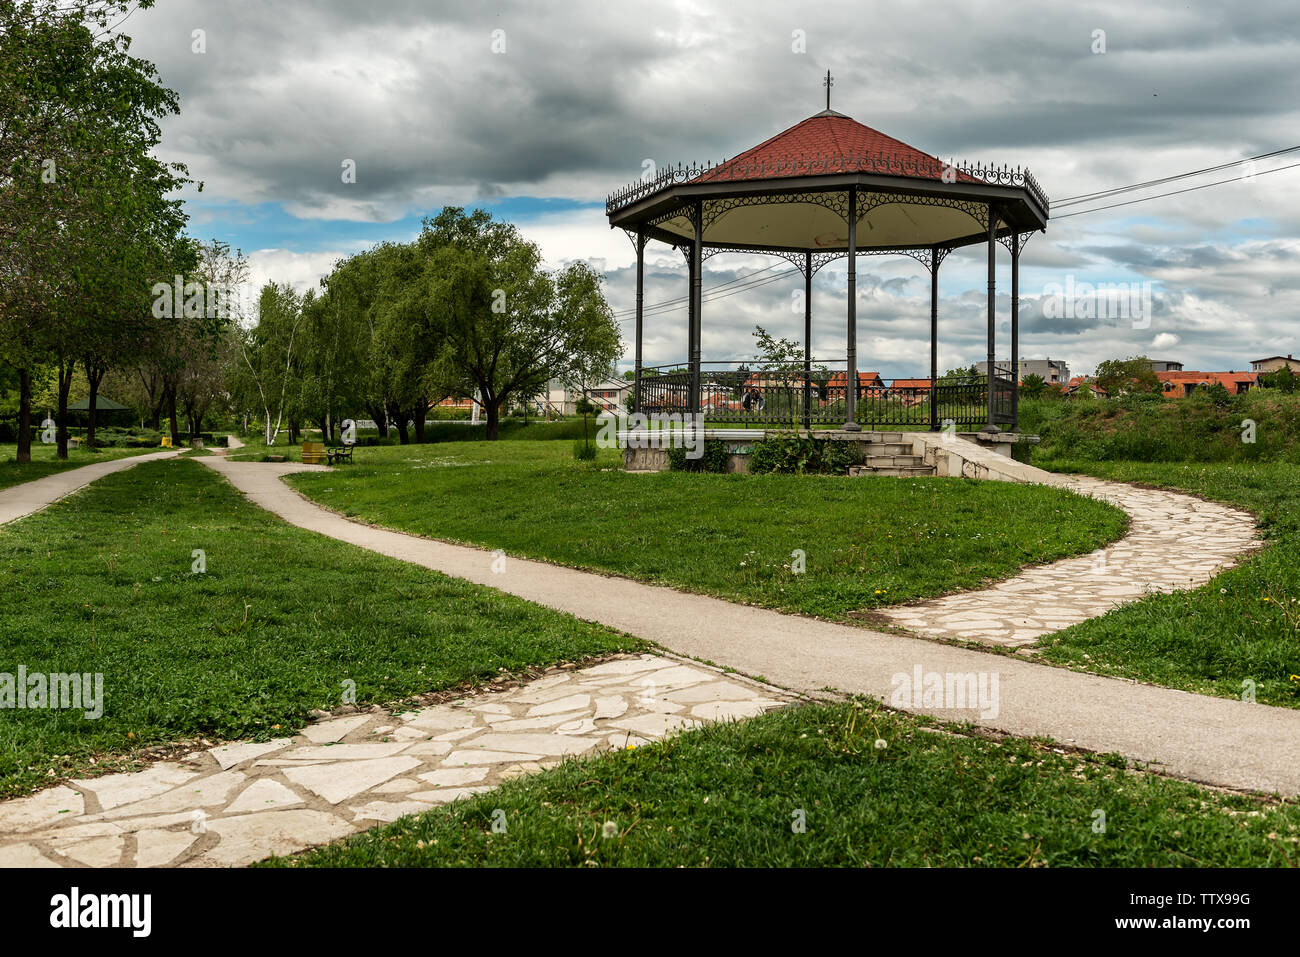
x=1217 y=741
x=18 y=501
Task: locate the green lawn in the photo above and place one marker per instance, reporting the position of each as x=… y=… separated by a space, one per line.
x=45 y=462
x=103 y=583
x=730 y=795
x=435 y=432
x=867 y=542
x=1244 y=625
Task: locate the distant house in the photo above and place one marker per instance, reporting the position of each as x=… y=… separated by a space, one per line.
x=866 y=380
x=1273 y=363
x=561 y=398
x=1177 y=385
x=463 y=403
x=911 y=391
x=1161 y=365
x=608 y=395
x=1076 y=384
x=1051 y=371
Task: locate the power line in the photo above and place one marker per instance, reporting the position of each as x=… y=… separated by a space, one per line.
x=1189 y=189
x=721 y=285
x=1106 y=193
x=663 y=308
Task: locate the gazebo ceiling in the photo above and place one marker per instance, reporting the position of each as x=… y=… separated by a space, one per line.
x=791 y=193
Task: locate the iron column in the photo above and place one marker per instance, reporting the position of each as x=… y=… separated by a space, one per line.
x=640 y=306
x=993 y=245
x=851 y=338
x=934 y=338
x=697 y=249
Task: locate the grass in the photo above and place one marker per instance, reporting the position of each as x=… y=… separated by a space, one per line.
x=731 y=795
x=867 y=542
x=1155 y=429
x=435 y=432
x=103 y=583
x=1244 y=626
x=45 y=461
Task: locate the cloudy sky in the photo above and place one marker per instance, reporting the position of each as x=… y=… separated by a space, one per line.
x=536 y=110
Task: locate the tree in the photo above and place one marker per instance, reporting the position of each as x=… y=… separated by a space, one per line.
x=1032 y=386
x=407 y=340
x=83 y=201
x=373 y=295
x=268 y=353
x=781 y=365
x=503 y=322
x=1120 y=376
x=1282 y=379
x=584 y=408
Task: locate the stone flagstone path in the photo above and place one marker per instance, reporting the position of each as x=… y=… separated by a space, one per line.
x=1174 y=542
x=238 y=803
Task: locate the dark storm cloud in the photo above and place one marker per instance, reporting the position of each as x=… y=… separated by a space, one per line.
x=412 y=91
x=584 y=92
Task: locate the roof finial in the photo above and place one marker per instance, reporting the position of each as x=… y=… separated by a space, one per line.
x=828 y=83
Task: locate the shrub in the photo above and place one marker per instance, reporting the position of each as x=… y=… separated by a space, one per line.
x=448 y=413
x=113 y=437
x=584 y=451
x=789 y=452
x=1219 y=395
x=714 y=458
x=1282 y=379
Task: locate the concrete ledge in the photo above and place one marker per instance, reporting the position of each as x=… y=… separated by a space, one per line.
x=953 y=454
x=966 y=458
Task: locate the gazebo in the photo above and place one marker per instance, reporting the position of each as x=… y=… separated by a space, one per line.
x=106 y=410
x=829 y=188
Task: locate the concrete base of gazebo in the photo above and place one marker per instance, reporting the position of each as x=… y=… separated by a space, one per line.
x=965 y=454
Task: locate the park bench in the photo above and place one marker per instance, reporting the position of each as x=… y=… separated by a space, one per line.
x=342 y=453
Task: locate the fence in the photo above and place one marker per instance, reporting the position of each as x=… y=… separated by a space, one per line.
x=735 y=394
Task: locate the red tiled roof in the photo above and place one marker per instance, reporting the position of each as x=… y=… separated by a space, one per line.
x=829 y=142
x=1231 y=381
x=910 y=384
x=1082 y=380
x=864 y=378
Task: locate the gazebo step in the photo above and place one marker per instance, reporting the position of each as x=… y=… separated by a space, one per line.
x=893 y=461
x=901 y=471
x=888 y=448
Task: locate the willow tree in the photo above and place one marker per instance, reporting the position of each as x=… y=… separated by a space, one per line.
x=501 y=321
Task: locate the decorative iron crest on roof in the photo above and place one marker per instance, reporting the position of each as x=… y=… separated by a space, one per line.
x=889 y=165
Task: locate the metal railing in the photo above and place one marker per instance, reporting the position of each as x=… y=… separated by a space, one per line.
x=740 y=395
x=915 y=167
